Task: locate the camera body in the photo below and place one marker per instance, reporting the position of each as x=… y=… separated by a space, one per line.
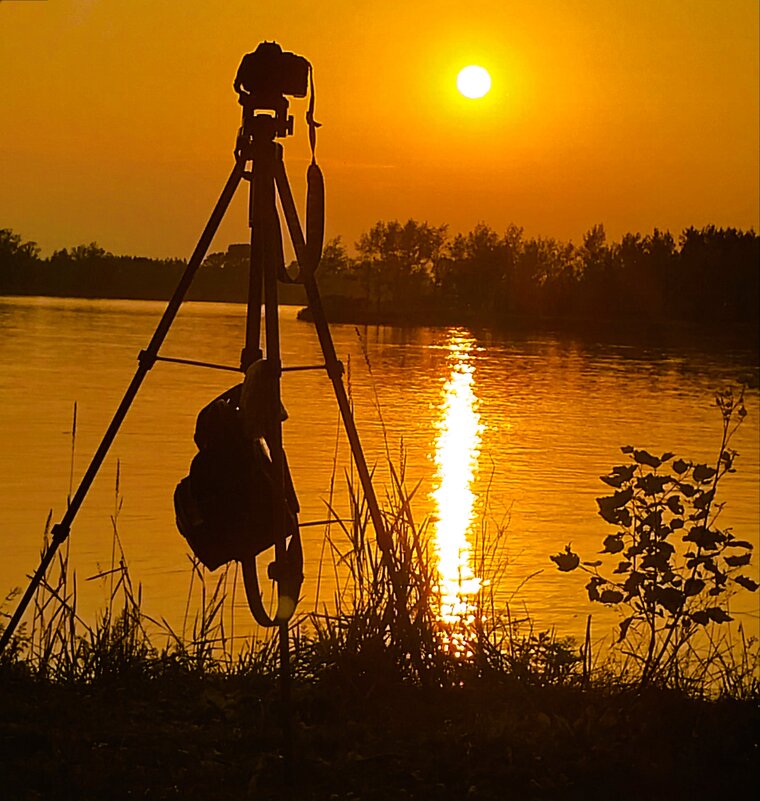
x=269 y=73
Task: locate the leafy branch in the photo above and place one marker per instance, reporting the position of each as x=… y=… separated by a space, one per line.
x=675 y=568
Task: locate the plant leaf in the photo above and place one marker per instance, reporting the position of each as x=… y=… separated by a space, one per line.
x=611 y=507
x=644 y=457
x=739 y=544
x=718 y=615
x=616 y=501
x=703 y=499
x=680 y=466
x=738 y=561
x=611 y=596
x=669 y=598
x=747 y=583
x=624 y=626
x=656 y=561
x=704 y=537
x=633 y=582
x=567 y=560
x=613 y=544
x=702 y=473
x=693 y=586
x=652 y=484
x=593 y=587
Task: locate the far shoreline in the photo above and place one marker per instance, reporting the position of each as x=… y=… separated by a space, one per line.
x=343 y=310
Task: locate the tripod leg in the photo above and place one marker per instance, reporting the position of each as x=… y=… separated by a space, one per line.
x=272 y=250
x=146 y=360
x=266 y=258
x=252 y=349
x=384 y=540
x=335 y=372
x=291 y=215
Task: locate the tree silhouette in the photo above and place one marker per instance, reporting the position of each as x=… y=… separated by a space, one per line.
x=709 y=277
x=397 y=261
x=17 y=260
x=473 y=273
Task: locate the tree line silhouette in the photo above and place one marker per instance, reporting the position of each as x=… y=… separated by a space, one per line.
x=709 y=275
x=417 y=272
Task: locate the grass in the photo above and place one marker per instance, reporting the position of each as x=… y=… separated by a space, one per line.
x=128 y=707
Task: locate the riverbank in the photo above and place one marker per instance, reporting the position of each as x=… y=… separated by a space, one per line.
x=219 y=737
x=379 y=708
x=710 y=334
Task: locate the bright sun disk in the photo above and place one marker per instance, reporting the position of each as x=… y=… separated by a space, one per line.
x=473 y=81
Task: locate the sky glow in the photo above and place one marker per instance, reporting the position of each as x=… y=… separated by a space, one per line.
x=119 y=118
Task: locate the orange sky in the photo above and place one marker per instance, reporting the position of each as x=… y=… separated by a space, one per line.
x=119 y=118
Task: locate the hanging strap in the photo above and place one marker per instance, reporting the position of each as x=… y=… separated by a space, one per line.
x=310 y=121
x=315 y=192
x=257 y=414
x=288 y=577
x=315 y=218
x=308 y=250
x=288 y=585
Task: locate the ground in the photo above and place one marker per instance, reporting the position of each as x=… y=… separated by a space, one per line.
x=221 y=738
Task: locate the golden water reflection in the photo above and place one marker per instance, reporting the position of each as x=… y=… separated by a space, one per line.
x=457 y=450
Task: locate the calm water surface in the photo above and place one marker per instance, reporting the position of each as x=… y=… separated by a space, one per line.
x=501 y=431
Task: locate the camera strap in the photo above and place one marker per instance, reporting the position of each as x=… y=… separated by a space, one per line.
x=308 y=248
x=310 y=121
x=315 y=193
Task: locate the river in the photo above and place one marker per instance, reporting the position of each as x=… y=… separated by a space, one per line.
x=504 y=433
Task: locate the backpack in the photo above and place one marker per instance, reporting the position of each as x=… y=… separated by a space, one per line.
x=225 y=506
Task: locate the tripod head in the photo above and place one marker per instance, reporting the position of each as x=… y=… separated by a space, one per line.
x=263 y=80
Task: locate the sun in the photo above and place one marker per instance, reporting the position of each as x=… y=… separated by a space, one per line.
x=474 y=82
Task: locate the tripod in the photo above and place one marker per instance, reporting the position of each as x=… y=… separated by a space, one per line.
x=267 y=177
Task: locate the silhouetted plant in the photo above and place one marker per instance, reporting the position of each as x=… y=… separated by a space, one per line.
x=676 y=569
x=542 y=659
x=19 y=643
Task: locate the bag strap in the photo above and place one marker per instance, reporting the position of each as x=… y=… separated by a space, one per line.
x=288 y=579
x=288 y=576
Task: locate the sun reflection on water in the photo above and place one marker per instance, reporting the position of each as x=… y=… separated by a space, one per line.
x=456 y=461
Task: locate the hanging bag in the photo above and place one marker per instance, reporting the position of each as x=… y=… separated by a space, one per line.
x=225 y=507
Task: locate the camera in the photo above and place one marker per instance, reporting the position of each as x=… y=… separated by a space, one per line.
x=269 y=72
